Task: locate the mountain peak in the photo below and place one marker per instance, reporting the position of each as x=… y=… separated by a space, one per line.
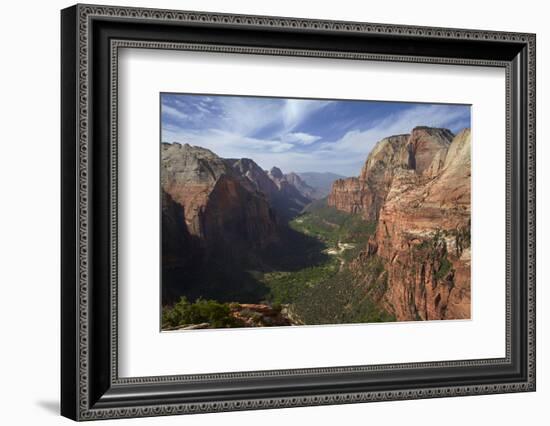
x=440 y=132
x=276 y=173
x=423 y=150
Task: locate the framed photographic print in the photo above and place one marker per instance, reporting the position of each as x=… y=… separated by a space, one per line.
x=263 y=212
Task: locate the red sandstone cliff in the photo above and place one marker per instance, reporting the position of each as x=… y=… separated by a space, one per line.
x=423 y=151
x=220 y=219
x=418 y=188
x=218 y=204
x=424 y=237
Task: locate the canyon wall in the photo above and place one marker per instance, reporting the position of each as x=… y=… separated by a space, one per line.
x=417 y=187
x=422 y=151
x=219 y=205
x=216 y=223
x=222 y=218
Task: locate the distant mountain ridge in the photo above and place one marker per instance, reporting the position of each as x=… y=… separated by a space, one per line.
x=306 y=190
x=291 y=199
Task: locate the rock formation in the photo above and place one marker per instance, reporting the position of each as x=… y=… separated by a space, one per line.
x=220 y=219
x=255 y=175
x=288 y=200
x=287 y=194
x=417 y=187
x=219 y=205
x=307 y=191
x=416 y=151
x=424 y=235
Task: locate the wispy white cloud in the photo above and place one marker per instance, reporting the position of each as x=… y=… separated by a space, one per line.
x=362 y=141
x=300 y=138
x=174 y=112
x=229 y=126
x=227 y=144
x=246 y=118
x=295 y=111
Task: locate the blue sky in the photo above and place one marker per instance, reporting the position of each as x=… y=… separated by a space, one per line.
x=298 y=135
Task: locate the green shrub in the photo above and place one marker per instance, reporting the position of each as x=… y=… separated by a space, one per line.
x=277 y=307
x=444 y=267
x=183 y=313
x=287 y=287
x=256 y=317
x=434 y=250
x=246 y=313
x=346 y=297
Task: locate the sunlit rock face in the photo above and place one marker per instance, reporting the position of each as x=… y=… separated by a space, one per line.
x=220 y=205
x=417 y=187
x=423 y=150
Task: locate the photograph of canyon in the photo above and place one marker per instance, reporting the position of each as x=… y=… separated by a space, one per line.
x=291 y=212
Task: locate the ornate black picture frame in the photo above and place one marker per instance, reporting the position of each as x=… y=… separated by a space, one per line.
x=91 y=387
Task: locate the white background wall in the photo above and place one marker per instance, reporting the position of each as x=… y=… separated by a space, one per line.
x=29 y=213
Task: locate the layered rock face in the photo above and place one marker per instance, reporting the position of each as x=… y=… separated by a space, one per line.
x=219 y=205
x=424 y=236
x=426 y=149
x=222 y=218
x=416 y=151
x=255 y=175
x=417 y=187
x=364 y=194
x=348 y=195
x=216 y=224
x=287 y=194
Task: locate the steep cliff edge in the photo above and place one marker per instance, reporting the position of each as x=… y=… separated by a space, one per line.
x=224 y=221
x=287 y=194
x=215 y=225
x=289 y=200
x=423 y=150
x=417 y=187
x=424 y=236
x=220 y=206
x=177 y=242
x=254 y=174
x=307 y=191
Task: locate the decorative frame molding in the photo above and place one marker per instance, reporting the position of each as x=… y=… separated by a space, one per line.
x=91 y=388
